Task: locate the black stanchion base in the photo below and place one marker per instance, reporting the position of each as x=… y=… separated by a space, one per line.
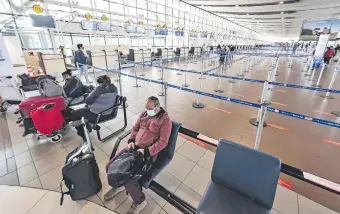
x=202 y=78
x=310 y=79
x=161 y=79
x=231 y=81
x=142 y=75
x=276 y=75
x=266 y=103
x=198 y=105
x=179 y=74
x=161 y=94
x=336 y=113
x=240 y=75
x=137 y=86
x=307 y=75
x=185 y=85
x=254 y=122
x=219 y=90
x=327 y=97
x=246 y=71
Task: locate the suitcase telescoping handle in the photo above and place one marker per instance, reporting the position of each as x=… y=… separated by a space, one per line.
x=88 y=142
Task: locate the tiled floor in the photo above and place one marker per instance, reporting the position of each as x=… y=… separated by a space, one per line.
x=26 y=161
x=39 y=201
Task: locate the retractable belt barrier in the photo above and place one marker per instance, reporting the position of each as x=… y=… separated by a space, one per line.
x=243 y=102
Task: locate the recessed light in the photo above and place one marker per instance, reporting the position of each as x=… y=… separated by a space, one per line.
x=283 y=17
x=281 y=2
x=237 y=5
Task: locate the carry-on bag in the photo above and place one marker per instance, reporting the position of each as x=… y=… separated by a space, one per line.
x=81 y=172
x=48 y=119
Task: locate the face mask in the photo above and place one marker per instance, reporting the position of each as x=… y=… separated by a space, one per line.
x=151 y=113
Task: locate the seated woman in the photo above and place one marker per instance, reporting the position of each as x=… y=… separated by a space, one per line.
x=150 y=134
x=101 y=98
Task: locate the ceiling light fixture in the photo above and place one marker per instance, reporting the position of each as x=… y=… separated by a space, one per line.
x=237 y=5
x=282 y=2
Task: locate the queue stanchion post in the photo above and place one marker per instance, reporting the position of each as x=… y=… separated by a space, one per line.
x=166 y=96
x=197 y=103
x=179 y=72
x=162 y=71
x=119 y=67
x=256 y=121
x=143 y=74
x=202 y=63
x=121 y=88
x=136 y=86
x=218 y=89
x=311 y=65
x=241 y=73
x=328 y=94
x=320 y=76
x=162 y=93
x=185 y=79
x=263 y=112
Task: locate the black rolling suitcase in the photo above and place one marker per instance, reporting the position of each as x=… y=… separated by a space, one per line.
x=81 y=172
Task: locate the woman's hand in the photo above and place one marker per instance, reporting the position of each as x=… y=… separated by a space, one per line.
x=131 y=146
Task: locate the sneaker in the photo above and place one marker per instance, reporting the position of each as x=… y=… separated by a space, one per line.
x=112 y=193
x=137 y=208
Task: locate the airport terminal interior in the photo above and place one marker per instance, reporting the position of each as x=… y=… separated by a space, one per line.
x=207 y=107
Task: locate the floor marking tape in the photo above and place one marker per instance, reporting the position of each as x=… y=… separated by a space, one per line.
x=278 y=127
x=331 y=142
x=280 y=104
x=193 y=140
x=240 y=95
x=325 y=113
x=278 y=90
x=218 y=109
x=285 y=184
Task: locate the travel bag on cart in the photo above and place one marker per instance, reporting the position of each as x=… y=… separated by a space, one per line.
x=27 y=105
x=31 y=103
x=31 y=83
x=48 y=119
x=81 y=172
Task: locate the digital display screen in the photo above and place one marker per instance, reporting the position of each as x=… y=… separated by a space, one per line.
x=42 y=21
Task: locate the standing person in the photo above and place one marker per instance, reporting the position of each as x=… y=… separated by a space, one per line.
x=295 y=46
x=149 y=135
x=81 y=59
x=328 y=55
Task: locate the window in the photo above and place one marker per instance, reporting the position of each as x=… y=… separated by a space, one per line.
x=81 y=40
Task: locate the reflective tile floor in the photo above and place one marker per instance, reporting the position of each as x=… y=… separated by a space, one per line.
x=39 y=201
x=32 y=163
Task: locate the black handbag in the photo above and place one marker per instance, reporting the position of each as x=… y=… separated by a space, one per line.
x=81 y=172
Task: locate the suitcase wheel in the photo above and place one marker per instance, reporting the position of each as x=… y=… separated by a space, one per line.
x=56 y=138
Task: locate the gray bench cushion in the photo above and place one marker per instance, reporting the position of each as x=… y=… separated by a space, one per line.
x=221 y=200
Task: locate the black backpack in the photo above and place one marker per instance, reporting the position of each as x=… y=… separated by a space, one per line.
x=81 y=172
x=128 y=167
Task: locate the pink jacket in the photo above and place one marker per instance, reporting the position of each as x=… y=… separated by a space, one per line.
x=151 y=133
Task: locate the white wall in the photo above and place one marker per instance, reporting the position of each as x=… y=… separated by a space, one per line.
x=14 y=49
x=6 y=66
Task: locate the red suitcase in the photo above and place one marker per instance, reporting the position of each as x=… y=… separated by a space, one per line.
x=27 y=105
x=48 y=119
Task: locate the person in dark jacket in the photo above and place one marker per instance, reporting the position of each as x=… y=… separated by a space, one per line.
x=81 y=59
x=73 y=87
x=101 y=98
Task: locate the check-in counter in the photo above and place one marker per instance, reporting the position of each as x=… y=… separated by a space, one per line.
x=98 y=59
x=112 y=59
x=53 y=64
x=142 y=55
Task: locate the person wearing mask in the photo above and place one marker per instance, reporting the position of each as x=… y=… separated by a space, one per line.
x=101 y=98
x=73 y=87
x=328 y=55
x=81 y=59
x=149 y=135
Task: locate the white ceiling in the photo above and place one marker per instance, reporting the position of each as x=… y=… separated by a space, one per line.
x=281 y=18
